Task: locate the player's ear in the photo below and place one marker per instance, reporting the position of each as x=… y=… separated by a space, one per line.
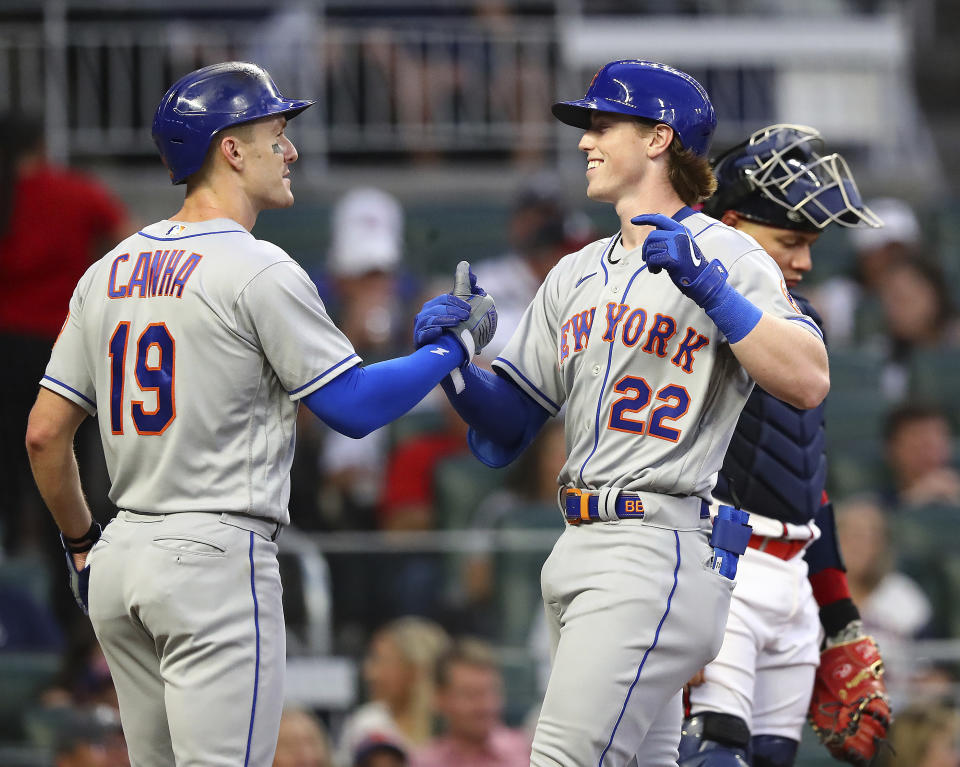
x=730 y=218
x=231 y=149
x=660 y=137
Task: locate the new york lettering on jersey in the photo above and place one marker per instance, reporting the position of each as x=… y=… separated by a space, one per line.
x=627 y=326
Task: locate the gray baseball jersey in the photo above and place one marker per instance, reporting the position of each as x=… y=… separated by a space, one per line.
x=651 y=388
x=652 y=393
x=193 y=343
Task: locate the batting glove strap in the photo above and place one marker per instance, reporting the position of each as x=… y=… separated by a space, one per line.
x=733 y=314
x=477 y=330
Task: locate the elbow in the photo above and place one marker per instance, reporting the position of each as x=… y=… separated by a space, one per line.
x=355 y=430
x=39 y=438
x=812 y=391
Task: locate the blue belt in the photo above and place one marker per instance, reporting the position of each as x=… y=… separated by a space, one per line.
x=583 y=506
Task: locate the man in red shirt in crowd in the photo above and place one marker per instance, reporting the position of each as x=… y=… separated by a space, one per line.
x=53 y=225
x=470 y=701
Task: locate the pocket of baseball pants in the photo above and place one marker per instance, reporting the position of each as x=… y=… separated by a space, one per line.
x=707 y=565
x=189 y=544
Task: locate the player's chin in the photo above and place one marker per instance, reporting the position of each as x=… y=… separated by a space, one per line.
x=284 y=197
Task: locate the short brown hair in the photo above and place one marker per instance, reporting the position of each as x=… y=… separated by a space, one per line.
x=468 y=651
x=690 y=174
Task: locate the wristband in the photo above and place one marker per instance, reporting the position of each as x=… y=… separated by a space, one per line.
x=85 y=542
x=837 y=616
x=733 y=314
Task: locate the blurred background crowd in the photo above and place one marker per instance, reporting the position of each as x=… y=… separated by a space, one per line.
x=411 y=572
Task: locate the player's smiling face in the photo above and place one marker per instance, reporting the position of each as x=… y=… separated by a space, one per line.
x=269 y=155
x=616 y=156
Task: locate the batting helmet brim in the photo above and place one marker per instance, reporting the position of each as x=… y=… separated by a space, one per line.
x=577 y=113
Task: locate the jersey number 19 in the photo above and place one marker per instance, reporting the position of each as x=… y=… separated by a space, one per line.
x=152 y=375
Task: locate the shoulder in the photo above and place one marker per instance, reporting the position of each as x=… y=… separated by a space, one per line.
x=575 y=268
x=722 y=241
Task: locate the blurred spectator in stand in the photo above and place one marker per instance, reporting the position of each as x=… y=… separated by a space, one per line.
x=380 y=751
x=413 y=583
x=918 y=445
x=54 y=223
x=470 y=703
x=893 y=607
x=530 y=488
x=843 y=301
x=364 y=289
x=925 y=735
x=363 y=264
x=26 y=625
x=918 y=314
x=302 y=741
x=87 y=738
x=398 y=672
x=540 y=232
x=84 y=680
x=79 y=741
x=519 y=83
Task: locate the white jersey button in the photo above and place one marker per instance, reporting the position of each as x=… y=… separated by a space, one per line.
x=596 y=370
x=616 y=288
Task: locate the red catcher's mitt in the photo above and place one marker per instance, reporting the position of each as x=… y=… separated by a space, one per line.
x=850 y=710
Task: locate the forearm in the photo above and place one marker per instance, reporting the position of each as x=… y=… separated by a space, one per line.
x=50 y=433
x=827 y=575
x=785 y=360
x=364 y=399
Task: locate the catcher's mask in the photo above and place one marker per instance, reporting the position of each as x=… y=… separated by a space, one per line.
x=780 y=177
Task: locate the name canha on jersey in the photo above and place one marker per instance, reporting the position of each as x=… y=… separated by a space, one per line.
x=180 y=324
x=635 y=362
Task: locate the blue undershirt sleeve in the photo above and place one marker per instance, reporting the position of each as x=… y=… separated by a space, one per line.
x=363 y=399
x=503 y=420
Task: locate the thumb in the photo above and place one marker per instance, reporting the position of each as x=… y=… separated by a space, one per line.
x=658 y=220
x=461 y=281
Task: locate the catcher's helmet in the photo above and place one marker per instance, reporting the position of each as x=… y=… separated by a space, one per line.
x=209 y=100
x=779 y=177
x=649 y=90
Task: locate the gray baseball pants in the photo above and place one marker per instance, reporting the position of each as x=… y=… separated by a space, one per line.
x=634 y=611
x=187 y=608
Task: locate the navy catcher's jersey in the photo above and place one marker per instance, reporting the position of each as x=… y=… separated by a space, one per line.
x=776 y=465
x=192 y=343
x=651 y=386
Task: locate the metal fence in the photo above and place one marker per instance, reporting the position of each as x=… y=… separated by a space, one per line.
x=461 y=85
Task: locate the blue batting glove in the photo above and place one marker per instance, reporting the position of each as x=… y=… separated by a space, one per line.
x=79 y=579
x=437 y=314
x=672 y=247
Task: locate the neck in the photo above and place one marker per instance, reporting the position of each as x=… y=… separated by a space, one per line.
x=661 y=199
x=205 y=203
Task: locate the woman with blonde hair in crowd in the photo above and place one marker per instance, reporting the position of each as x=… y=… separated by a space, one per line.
x=924 y=735
x=398 y=672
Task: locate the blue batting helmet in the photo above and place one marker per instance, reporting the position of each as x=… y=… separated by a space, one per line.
x=781 y=177
x=209 y=100
x=649 y=90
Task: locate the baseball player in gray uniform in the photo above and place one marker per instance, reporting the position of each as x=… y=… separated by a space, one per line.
x=653 y=339
x=193 y=343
